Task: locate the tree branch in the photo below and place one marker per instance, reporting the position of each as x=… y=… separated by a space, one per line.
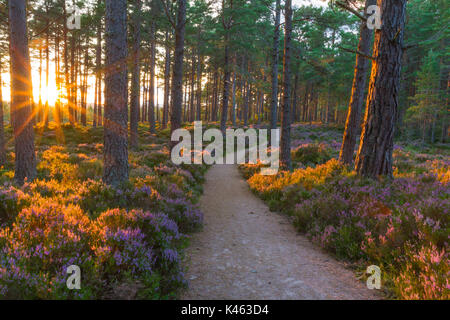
x=358 y=52
x=169 y=16
x=346 y=7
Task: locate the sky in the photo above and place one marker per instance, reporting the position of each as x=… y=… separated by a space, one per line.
x=50 y=92
x=322 y=3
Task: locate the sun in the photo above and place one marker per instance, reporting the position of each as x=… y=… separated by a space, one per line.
x=48 y=93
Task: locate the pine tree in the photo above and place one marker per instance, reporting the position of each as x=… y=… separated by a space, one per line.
x=21 y=93
x=116 y=94
x=377 y=140
x=285 y=152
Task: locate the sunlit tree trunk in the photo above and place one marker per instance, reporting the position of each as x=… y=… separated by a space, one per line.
x=116 y=92
x=21 y=91
x=2 y=126
x=47 y=71
x=84 y=86
x=66 y=64
x=358 y=93
x=39 y=112
x=377 y=139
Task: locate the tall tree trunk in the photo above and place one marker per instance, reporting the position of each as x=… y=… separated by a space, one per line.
x=98 y=64
x=136 y=76
x=246 y=103
x=191 y=91
x=166 y=83
x=285 y=147
x=275 y=58
x=58 y=113
x=226 y=86
x=66 y=64
x=72 y=85
x=177 y=77
x=151 y=111
x=47 y=73
x=84 y=87
x=40 y=106
x=2 y=126
x=353 y=123
x=199 y=87
x=233 y=106
x=295 y=99
x=116 y=111
x=377 y=139
x=94 y=120
x=21 y=92
x=215 y=94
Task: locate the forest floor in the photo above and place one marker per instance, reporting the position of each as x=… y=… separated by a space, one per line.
x=247 y=252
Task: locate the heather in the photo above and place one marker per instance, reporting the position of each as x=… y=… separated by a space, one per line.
x=131 y=235
x=401 y=225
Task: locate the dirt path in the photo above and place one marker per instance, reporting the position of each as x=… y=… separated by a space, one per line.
x=247 y=252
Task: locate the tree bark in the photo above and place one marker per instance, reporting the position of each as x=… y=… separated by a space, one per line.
x=21 y=92
x=358 y=93
x=116 y=113
x=377 y=139
x=285 y=146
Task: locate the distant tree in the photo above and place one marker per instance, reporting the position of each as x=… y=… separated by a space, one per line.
x=428 y=105
x=116 y=92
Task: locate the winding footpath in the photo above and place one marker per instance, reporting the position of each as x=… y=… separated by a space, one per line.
x=246 y=252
